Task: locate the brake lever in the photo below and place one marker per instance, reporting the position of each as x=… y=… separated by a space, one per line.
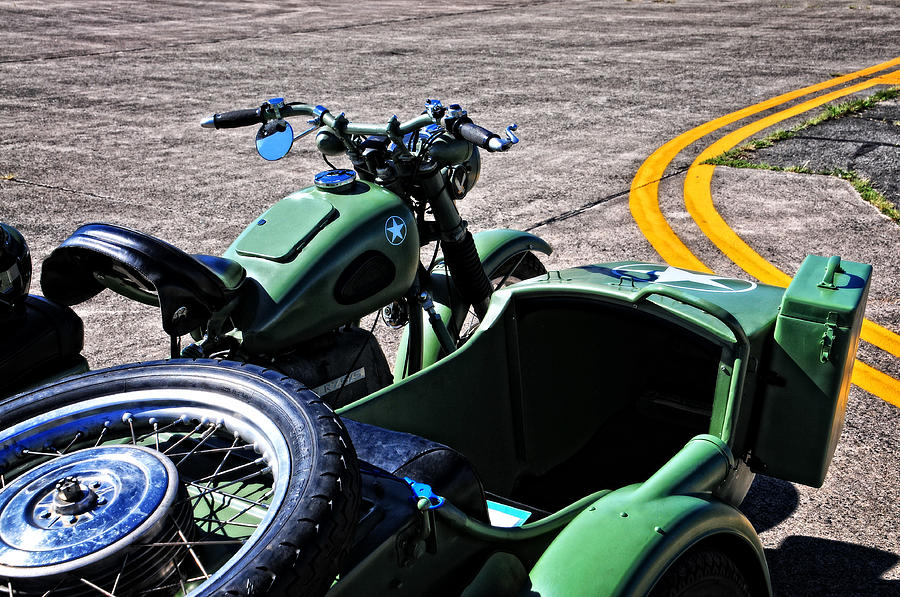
x=513 y=139
x=498 y=144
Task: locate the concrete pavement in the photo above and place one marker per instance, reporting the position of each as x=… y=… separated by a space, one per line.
x=100 y=103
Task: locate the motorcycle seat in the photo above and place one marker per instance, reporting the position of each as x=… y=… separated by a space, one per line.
x=188 y=289
x=231 y=272
x=448 y=472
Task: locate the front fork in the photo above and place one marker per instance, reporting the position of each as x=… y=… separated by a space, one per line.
x=470 y=283
x=460 y=253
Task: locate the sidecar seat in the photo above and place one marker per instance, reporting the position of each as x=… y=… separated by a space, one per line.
x=41 y=342
x=188 y=289
x=449 y=473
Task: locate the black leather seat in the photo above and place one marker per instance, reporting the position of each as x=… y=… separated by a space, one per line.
x=449 y=473
x=42 y=341
x=97 y=256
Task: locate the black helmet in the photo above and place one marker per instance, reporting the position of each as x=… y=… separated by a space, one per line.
x=15 y=269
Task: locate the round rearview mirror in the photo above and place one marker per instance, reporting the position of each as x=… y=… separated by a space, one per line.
x=274 y=140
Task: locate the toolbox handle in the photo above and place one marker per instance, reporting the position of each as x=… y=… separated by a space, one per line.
x=832 y=267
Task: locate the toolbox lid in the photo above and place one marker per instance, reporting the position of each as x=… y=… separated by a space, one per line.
x=826 y=285
x=286 y=228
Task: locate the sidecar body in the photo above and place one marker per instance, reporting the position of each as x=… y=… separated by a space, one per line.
x=611 y=417
x=594 y=436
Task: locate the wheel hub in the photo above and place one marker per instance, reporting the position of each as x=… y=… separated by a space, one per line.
x=78 y=512
x=73 y=498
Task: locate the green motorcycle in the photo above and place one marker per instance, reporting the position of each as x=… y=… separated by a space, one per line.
x=289 y=291
x=590 y=431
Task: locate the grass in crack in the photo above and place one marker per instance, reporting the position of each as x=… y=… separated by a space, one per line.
x=862 y=184
x=831 y=112
x=740 y=157
x=865 y=189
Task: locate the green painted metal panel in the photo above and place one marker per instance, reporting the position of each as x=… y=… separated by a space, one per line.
x=296 y=294
x=816 y=336
x=460 y=401
x=494 y=248
x=285 y=228
x=751 y=305
x=624 y=542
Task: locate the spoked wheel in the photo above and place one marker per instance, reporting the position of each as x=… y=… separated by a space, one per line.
x=515 y=269
x=171 y=479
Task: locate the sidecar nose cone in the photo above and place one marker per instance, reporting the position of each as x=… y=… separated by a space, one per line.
x=208 y=123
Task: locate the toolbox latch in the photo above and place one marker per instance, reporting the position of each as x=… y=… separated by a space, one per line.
x=828 y=336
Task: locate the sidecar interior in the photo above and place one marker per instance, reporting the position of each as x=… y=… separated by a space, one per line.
x=187 y=288
x=560 y=394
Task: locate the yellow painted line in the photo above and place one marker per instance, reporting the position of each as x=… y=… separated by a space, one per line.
x=644 y=205
x=891 y=78
x=698 y=196
x=644 y=197
x=699 y=203
x=875 y=382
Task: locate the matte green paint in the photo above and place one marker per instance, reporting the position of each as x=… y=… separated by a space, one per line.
x=494 y=247
x=626 y=540
x=753 y=310
x=286 y=228
x=623 y=543
x=815 y=341
x=296 y=258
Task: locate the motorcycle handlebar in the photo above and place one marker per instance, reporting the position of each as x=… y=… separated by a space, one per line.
x=482 y=137
x=234 y=119
x=463 y=128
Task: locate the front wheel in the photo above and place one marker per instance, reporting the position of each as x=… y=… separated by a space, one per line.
x=516 y=268
x=173 y=478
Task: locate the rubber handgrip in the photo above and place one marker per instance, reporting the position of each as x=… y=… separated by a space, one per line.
x=236 y=118
x=475 y=134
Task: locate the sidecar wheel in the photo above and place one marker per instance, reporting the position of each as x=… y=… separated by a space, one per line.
x=703 y=574
x=173 y=478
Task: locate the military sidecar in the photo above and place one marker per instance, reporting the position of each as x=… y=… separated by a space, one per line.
x=593 y=436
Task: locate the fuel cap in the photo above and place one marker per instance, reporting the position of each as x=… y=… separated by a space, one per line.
x=335 y=180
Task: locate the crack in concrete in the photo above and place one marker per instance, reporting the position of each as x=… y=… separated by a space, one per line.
x=583 y=208
x=839 y=140
x=59 y=188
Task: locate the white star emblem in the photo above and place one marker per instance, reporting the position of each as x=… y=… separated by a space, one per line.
x=673 y=275
x=395 y=230
x=679 y=278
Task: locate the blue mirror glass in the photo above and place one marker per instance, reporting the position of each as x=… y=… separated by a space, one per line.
x=274 y=140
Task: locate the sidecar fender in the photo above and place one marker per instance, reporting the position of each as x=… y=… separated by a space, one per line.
x=626 y=541
x=494 y=248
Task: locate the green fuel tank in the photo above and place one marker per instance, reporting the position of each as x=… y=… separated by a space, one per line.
x=321 y=257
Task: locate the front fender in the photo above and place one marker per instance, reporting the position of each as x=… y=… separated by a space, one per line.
x=624 y=543
x=494 y=248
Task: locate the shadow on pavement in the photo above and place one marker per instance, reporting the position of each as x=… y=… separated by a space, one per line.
x=812 y=565
x=769 y=502
x=823 y=567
